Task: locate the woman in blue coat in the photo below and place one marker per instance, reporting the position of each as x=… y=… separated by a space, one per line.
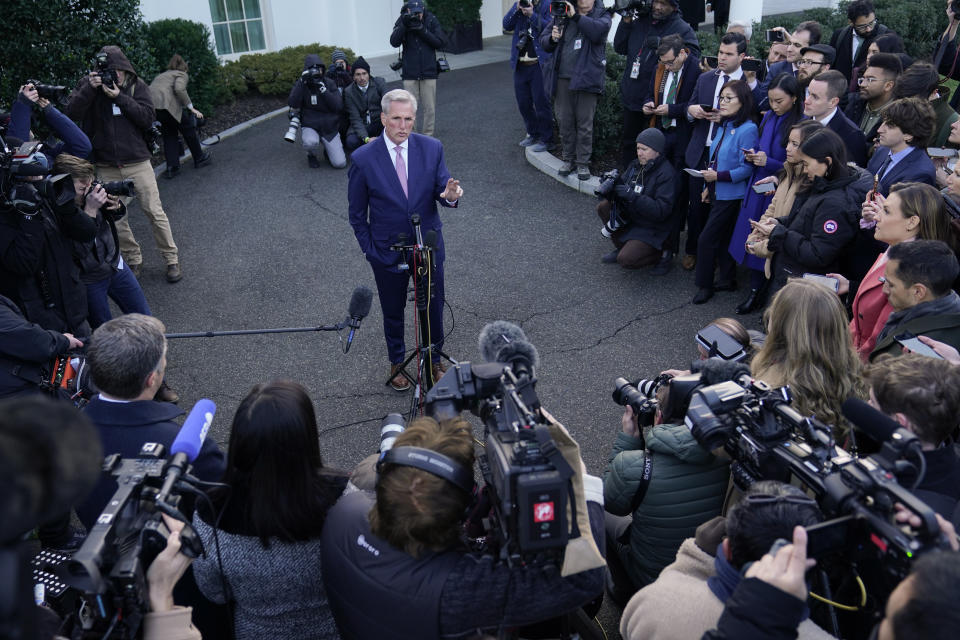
x=786 y=108
x=726 y=177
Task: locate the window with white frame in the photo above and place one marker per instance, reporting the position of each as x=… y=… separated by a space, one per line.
x=237 y=26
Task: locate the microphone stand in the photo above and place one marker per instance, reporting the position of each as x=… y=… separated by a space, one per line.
x=420 y=254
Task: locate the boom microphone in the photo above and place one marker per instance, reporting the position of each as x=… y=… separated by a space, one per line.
x=359 y=308
x=875 y=424
x=502 y=341
x=186 y=447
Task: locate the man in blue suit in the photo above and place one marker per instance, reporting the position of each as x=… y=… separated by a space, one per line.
x=903 y=135
x=405 y=174
x=822 y=104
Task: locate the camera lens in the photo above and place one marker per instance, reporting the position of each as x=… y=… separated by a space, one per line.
x=391 y=427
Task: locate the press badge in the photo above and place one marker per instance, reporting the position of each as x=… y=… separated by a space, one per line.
x=638 y=189
x=116 y=110
x=313 y=100
x=577 y=44
x=635 y=70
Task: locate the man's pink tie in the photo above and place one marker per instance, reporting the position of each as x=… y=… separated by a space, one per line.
x=401 y=170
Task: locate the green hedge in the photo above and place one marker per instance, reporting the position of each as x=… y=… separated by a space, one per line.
x=271 y=73
x=192 y=41
x=608 y=119
x=450 y=13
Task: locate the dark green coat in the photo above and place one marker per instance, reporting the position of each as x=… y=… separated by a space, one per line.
x=945 y=328
x=687 y=488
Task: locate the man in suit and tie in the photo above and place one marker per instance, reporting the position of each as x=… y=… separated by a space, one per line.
x=907 y=126
x=704 y=122
x=390 y=180
x=821 y=104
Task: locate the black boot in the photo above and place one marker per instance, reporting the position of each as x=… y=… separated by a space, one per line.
x=755 y=301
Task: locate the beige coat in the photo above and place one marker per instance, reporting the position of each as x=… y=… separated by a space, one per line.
x=779 y=207
x=680 y=605
x=169 y=91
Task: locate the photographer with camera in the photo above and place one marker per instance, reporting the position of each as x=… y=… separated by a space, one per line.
x=642 y=26
x=115 y=110
x=419 y=33
x=396 y=566
x=575 y=75
x=659 y=485
x=362 y=98
x=636 y=206
x=72 y=139
x=689 y=596
x=526 y=19
x=315 y=106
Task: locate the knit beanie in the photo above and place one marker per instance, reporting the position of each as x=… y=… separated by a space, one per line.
x=338 y=55
x=360 y=63
x=652 y=138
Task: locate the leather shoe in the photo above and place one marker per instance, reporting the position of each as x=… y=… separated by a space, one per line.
x=438 y=370
x=171 y=173
x=173 y=273
x=688 y=262
x=702 y=296
x=751 y=304
x=202 y=160
x=610 y=258
x=166 y=394
x=398 y=381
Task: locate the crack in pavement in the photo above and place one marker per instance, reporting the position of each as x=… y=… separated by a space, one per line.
x=311 y=197
x=632 y=321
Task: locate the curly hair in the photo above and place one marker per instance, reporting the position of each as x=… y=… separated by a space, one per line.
x=809 y=347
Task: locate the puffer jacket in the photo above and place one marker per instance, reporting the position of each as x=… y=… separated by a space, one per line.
x=687 y=487
x=589 y=72
x=319 y=108
x=116 y=139
x=419 y=47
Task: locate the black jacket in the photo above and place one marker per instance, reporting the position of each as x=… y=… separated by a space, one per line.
x=26 y=351
x=812 y=237
x=853 y=138
x=648 y=211
x=638 y=40
x=589 y=68
x=124 y=428
x=115 y=139
x=98 y=259
x=318 y=100
x=362 y=104
x=842 y=42
x=37 y=271
x=419 y=47
x=758 y=611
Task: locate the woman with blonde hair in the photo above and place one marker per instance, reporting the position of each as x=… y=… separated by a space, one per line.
x=808 y=347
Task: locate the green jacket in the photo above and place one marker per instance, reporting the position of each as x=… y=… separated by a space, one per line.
x=945 y=328
x=687 y=488
x=946 y=116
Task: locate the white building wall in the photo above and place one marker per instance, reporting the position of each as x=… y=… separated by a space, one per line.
x=362 y=25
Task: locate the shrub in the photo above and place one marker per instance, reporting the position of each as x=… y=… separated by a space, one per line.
x=272 y=73
x=192 y=41
x=55 y=40
x=608 y=119
x=451 y=13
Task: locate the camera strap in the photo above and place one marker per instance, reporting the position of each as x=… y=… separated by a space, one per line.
x=644 y=480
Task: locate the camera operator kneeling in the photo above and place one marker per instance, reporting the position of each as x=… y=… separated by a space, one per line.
x=636 y=206
x=658 y=487
x=395 y=566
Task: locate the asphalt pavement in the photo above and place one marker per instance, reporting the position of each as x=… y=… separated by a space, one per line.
x=265 y=242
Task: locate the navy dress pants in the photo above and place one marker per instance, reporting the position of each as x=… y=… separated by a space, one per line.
x=532 y=101
x=392 y=291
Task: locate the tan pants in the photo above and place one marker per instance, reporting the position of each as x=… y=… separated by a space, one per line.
x=145 y=183
x=425 y=91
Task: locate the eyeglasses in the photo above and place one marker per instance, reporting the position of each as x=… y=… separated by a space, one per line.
x=667 y=63
x=763 y=498
x=726 y=99
x=867 y=80
x=865 y=27
x=806 y=62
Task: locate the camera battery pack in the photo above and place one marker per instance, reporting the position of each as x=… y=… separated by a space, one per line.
x=541 y=500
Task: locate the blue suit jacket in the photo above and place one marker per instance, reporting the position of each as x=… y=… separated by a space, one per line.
x=916 y=167
x=852 y=136
x=380 y=212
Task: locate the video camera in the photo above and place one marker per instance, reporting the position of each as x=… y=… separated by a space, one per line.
x=109 y=570
x=639 y=8
x=18 y=188
x=522 y=467
x=558 y=9
x=769 y=440
x=51 y=92
x=103 y=70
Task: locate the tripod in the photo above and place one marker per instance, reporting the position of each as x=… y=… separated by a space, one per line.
x=420 y=255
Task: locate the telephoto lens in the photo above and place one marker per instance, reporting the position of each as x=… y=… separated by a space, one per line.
x=291 y=134
x=391 y=427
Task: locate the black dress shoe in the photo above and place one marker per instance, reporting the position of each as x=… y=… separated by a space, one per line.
x=753 y=302
x=702 y=296
x=172 y=172
x=202 y=160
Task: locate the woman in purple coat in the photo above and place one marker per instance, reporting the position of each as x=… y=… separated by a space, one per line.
x=786 y=108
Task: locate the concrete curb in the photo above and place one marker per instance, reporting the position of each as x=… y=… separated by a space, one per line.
x=550 y=164
x=226 y=133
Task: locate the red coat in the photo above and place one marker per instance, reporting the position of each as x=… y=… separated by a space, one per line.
x=870 y=309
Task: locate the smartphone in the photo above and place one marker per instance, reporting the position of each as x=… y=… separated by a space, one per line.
x=774 y=35
x=766 y=187
x=937 y=152
x=706 y=107
x=718 y=344
x=750 y=64
x=694 y=172
x=829 y=537
x=910 y=341
x=712 y=61
x=827 y=281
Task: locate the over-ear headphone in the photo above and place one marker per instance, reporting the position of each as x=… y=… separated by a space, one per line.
x=432 y=462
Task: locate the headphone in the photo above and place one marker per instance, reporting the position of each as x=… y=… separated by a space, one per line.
x=432 y=462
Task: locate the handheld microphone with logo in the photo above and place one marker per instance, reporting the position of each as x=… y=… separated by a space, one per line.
x=359 y=308
x=186 y=447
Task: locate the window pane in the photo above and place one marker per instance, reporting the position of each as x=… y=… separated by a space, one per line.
x=234 y=9
x=255 y=30
x=238 y=37
x=217 y=13
x=251 y=8
x=222 y=34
